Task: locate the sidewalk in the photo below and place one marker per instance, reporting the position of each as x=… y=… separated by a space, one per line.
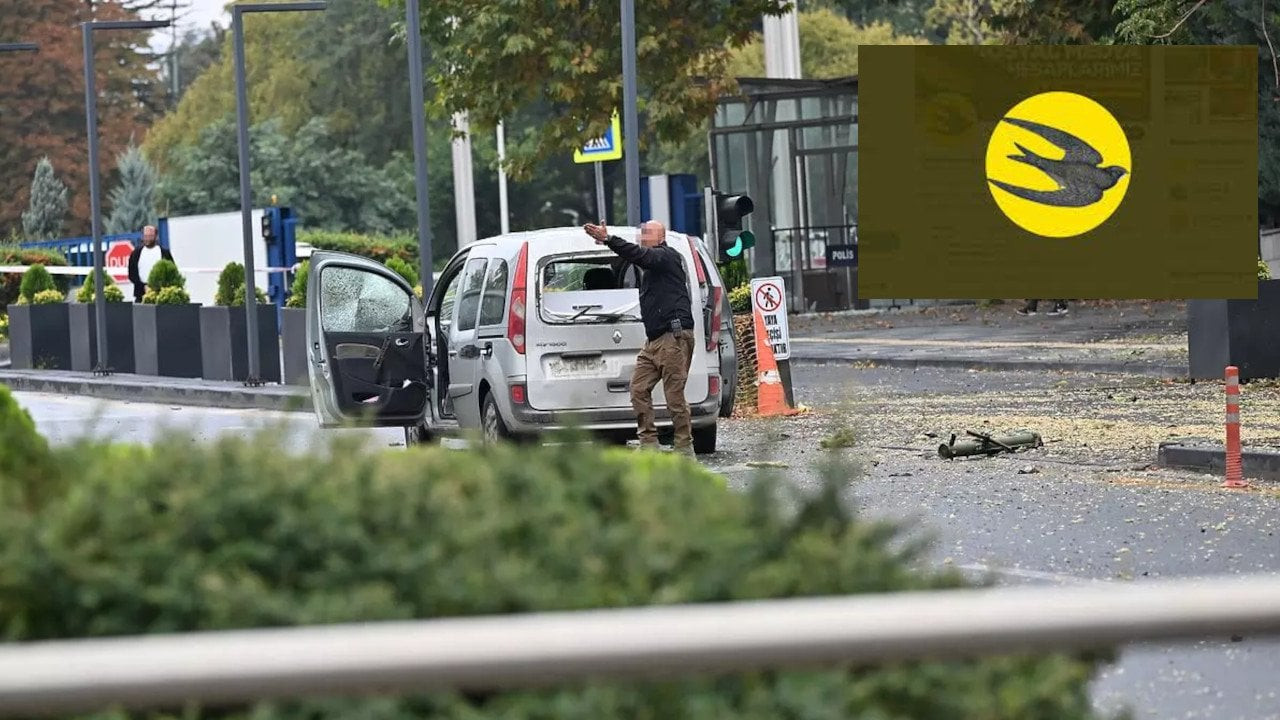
x=1103 y=337
x=165 y=391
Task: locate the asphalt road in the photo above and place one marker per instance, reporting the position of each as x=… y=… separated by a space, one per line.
x=1080 y=510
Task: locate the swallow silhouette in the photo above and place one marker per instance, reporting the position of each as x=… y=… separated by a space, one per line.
x=1080 y=181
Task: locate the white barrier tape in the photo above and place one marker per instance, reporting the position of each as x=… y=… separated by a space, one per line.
x=67 y=270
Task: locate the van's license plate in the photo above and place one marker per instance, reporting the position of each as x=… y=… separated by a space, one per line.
x=585 y=367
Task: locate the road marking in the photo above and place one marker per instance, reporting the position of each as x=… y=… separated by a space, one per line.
x=978 y=344
x=1057 y=578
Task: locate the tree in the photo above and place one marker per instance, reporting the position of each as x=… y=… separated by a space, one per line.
x=42 y=99
x=47 y=212
x=133 y=201
x=1049 y=22
x=968 y=22
x=197 y=51
x=497 y=60
x=828 y=46
x=1230 y=22
x=907 y=17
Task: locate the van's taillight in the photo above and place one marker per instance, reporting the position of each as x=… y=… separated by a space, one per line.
x=713 y=386
x=519 y=294
x=517 y=395
x=717 y=318
x=697 y=263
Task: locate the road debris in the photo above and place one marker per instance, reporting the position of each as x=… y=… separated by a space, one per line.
x=984 y=444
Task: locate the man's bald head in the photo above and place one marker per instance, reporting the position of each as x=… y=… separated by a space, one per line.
x=652 y=233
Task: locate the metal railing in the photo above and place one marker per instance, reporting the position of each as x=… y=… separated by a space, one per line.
x=800 y=255
x=79 y=251
x=501 y=652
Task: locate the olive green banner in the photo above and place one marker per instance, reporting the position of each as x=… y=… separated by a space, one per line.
x=1101 y=171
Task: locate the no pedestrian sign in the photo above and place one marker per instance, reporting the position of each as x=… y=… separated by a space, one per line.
x=769 y=301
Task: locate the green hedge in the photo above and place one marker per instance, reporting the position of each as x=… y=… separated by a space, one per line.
x=377 y=247
x=100 y=540
x=14 y=255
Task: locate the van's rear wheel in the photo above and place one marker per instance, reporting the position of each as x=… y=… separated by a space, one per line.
x=495 y=430
x=704 y=440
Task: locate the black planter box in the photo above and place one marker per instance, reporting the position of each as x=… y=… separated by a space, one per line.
x=84 y=337
x=225 y=343
x=40 y=337
x=166 y=340
x=293 y=340
x=1244 y=333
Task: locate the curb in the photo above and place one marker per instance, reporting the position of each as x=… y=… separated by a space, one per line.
x=1211 y=458
x=1110 y=368
x=151 y=391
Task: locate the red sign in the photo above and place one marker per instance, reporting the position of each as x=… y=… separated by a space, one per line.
x=117 y=260
x=768 y=297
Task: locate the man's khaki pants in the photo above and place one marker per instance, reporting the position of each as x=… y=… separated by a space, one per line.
x=667 y=359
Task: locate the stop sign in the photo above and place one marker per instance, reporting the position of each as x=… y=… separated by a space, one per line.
x=117 y=260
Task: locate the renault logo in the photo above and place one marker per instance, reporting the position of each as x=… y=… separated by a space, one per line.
x=617 y=337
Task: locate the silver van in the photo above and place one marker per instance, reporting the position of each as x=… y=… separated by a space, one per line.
x=523 y=333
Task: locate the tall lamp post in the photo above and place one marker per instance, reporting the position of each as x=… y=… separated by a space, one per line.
x=242 y=135
x=418 y=115
x=102 y=367
x=630 y=112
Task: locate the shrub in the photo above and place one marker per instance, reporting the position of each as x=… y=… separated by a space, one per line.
x=404 y=269
x=254 y=533
x=740 y=299
x=86 y=293
x=229 y=280
x=298 y=291
x=237 y=297
x=26 y=466
x=34 y=281
x=10 y=284
x=166 y=296
x=735 y=273
x=4 y=326
x=165 y=274
x=1264 y=272
x=376 y=247
x=49 y=297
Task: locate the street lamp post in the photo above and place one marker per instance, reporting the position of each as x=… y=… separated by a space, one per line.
x=418 y=114
x=102 y=367
x=242 y=134
x=630 y=112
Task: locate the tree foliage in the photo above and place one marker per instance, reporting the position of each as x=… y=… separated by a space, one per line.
x=828 y=46
x=569 y=59
x=133 y=201
x=968 y=22
x=42 y=98
x=47 y=211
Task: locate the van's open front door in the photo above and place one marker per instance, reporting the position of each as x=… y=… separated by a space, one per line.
x=365 y=344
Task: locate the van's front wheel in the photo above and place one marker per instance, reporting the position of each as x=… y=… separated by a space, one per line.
x=495 y=430
x=704 y=440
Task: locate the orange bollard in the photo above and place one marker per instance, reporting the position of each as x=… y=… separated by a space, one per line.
x=771 y=398
x=1235 y=469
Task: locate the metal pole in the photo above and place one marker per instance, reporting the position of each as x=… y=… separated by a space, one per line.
x=502 y=180
x=246 y=211
x=512 y=651
x=601 y=211
x=95 y=206
x=417 y=113
x=630 y=112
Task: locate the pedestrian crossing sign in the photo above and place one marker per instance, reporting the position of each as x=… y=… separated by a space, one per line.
x=607 y=147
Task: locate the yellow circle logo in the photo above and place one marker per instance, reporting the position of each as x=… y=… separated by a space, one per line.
x=1058 y=164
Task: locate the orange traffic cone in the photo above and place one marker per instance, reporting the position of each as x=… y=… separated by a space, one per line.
x=771 y=399
x=1235 y=470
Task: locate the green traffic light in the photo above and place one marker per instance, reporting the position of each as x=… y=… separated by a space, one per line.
x=737 y=248
x=746 y=239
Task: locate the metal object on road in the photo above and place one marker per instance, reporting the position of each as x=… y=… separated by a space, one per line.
x=510 y=651
x=418 y=114
x=630 y=112
x=242 y=139
x=983 y=444
x=1235 y=469
x=95 y=195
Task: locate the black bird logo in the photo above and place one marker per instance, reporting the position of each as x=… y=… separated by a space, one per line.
x=1080 y=181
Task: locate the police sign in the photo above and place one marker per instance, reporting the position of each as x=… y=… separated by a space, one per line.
x=769 y=301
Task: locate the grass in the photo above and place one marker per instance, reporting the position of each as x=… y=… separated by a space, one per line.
x=838 y=440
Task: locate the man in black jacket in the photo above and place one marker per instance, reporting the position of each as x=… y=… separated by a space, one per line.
x=667 y=312
x=143 y=258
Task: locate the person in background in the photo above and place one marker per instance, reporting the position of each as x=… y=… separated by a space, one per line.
x=1059 y=308
x=667 y=312
x=143 y=258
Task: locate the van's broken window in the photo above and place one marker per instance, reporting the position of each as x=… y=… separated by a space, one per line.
x=585 y=290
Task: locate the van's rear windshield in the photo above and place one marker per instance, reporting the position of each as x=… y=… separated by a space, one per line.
x=588 y=289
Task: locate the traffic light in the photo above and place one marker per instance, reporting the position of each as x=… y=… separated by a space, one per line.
x=730 y=209
x=267 y=229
